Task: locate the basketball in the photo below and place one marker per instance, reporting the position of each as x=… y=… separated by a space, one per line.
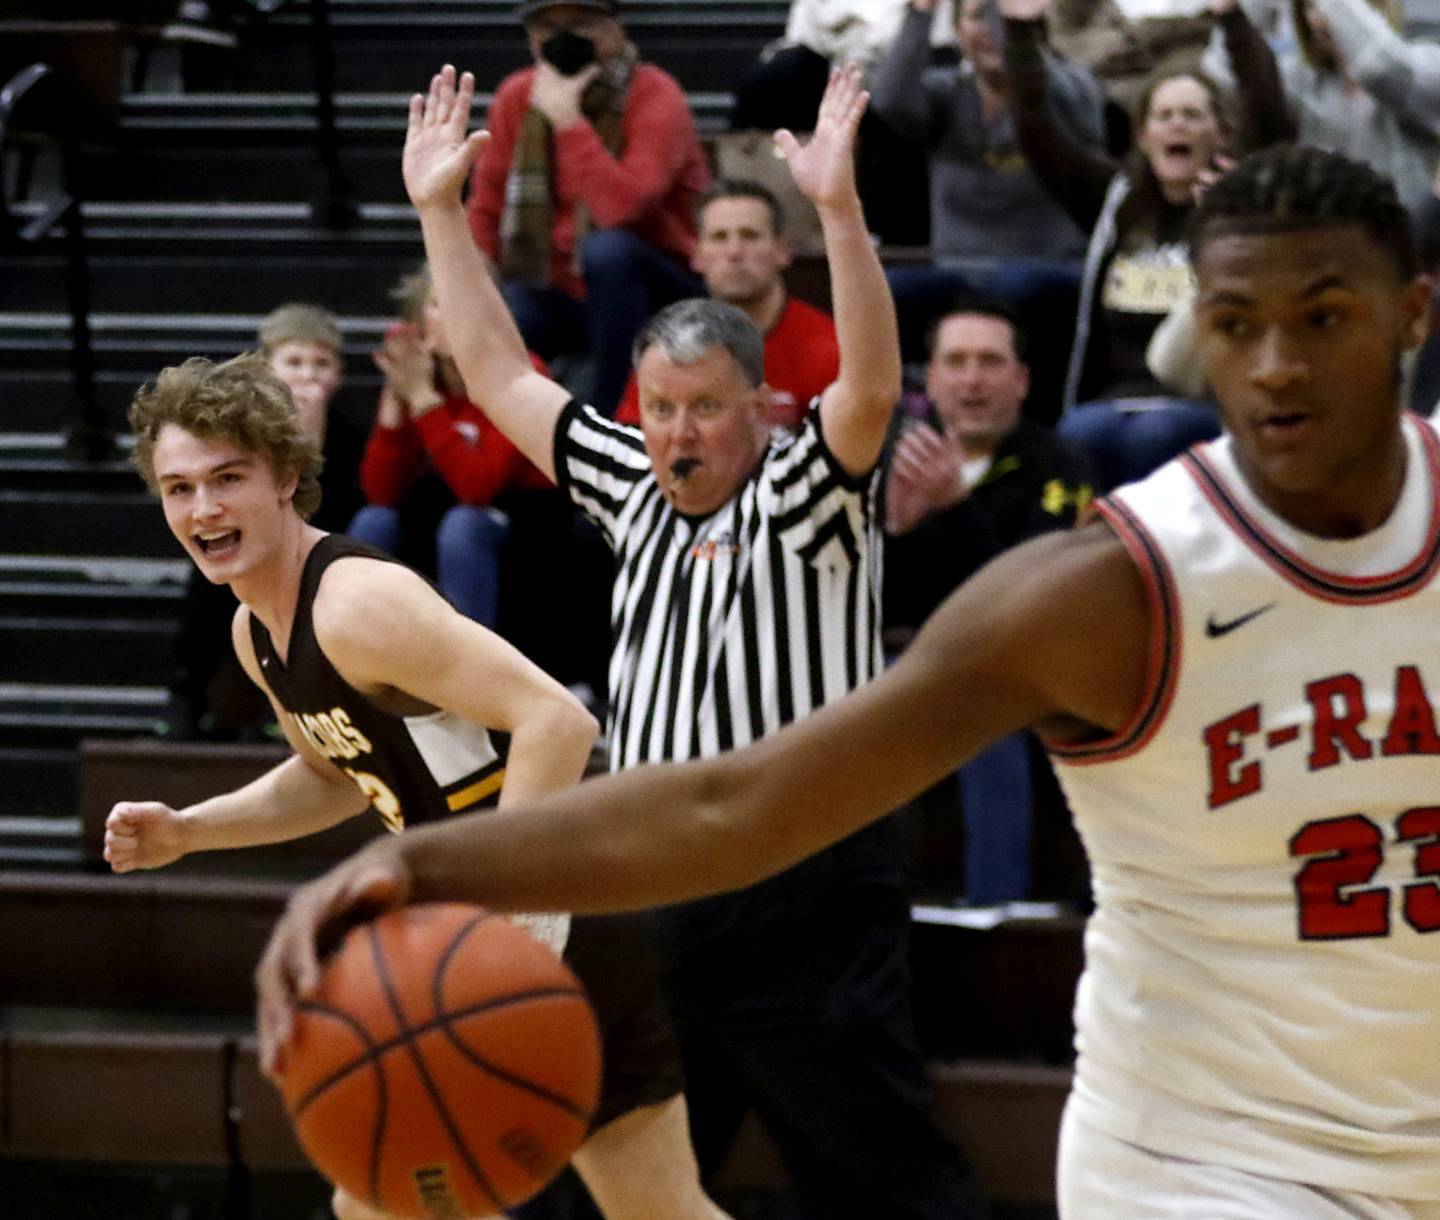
x=447 y=1066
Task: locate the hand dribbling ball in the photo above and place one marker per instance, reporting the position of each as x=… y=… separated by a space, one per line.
x=447 y=1066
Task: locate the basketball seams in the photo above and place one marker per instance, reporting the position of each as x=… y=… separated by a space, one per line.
x=370 y=1056
x=433 y=1113
x=387 y=987
x=378 y=1050
x=445 y=1020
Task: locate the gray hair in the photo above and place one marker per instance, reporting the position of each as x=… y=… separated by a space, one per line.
x=688 y=329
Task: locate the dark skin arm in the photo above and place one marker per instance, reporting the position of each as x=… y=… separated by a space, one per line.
x=1053 y=636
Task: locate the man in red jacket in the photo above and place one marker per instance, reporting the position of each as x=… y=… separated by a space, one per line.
x=585 y=195
x=742 y=254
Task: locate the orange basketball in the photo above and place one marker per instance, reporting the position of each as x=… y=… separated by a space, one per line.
x=447 y=1066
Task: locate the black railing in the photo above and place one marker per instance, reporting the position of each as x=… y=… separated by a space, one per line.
x=332 y=205
x=38 y=110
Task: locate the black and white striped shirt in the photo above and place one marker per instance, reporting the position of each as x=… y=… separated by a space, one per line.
x=729 y=626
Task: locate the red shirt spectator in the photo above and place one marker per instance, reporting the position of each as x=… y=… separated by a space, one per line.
x=470 y=453
x=650 y=189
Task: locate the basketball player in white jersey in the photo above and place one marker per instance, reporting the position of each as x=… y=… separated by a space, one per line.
x=1235 y=669
x=389 y=698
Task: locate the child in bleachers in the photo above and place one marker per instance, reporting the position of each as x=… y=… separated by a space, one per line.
x=425 y=424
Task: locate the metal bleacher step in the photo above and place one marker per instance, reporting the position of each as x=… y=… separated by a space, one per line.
x=77 y=599
x=37 y=392
x=118 y=650
x=248 y=145
x=41 y=728
x=396 y=45
x=84 y=522
x=177 y=259
x=52 y=716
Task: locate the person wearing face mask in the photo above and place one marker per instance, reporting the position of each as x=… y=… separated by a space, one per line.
x=585 y=195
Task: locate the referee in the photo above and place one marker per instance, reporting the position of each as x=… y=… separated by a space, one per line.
x=747 y=595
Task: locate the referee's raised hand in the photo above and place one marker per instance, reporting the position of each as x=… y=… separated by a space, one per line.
x=824 y=166
x=438 y=152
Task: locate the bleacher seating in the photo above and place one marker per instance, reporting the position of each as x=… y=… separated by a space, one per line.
x=140 y=986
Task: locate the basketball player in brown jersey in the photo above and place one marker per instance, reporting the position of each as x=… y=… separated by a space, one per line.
x=388 y=697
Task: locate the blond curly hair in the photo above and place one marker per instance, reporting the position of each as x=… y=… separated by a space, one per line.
x=240 y=401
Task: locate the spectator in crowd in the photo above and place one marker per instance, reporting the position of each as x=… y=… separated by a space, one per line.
x=968 y=481
x=210 y=694
x=994 y=229
x=1137 y=266
x=424 y=421
x=1355 y=86
x=585 y=195
x=784 y=86
x=745 y=598
x=742 y=254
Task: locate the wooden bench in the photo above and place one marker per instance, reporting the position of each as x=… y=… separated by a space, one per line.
x=88 y=1086
x=141 y=941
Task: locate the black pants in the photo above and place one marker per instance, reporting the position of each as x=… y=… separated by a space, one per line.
x=810 y=1025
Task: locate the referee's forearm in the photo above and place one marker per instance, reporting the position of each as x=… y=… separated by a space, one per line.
x=864 y=310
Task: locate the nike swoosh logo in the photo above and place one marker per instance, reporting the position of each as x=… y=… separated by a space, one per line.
x=1215 y=630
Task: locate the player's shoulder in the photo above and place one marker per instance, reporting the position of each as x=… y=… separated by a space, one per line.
x=1085 y=560
x=1072 y=588
x=1068 y=612
x=360 y=599
x=240 y=625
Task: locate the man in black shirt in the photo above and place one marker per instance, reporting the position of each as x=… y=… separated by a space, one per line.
x=971 y=479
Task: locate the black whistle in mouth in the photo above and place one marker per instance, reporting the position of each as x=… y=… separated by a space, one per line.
x=682 y=467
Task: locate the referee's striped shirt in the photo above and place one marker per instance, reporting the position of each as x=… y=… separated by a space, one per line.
x=729 y=626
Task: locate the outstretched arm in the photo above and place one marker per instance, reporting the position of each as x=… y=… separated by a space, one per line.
x=1052 y=634
x=1402 y=74
x=1076 y=175
x=488 y=349
x=855 y=410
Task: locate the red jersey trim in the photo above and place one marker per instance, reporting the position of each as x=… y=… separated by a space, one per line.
x=1305 y=576
x=1163 y=667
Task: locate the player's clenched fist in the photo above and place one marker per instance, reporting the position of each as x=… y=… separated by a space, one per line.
x=143 y=834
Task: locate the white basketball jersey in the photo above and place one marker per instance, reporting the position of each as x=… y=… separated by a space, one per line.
x=1262 y=981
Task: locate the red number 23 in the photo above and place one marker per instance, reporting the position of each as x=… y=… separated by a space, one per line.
x=1346 y=852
